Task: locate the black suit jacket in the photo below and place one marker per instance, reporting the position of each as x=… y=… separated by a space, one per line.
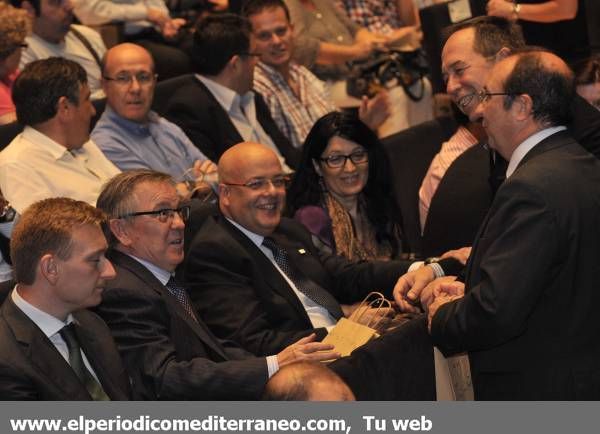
x=194 y=108
x=466 y=182
x=242 y=296
x=528 y=318
x=32 y=369
x=167 y=353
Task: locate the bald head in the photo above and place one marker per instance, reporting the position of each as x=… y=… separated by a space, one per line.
x=305 y=381
x=237 y=161
x=128 y=81
x=252 y=187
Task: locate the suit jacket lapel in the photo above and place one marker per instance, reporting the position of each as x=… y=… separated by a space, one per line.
x=271 y=275
x=221 y=118
x=43 y=354
x=144 y=274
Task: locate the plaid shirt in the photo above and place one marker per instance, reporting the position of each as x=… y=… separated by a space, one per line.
x=294 y=114
x=378 y=16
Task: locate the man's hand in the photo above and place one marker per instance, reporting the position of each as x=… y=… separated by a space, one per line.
x=373 y=112
x=428 y=294
x=306 y=349
x=409 y=287
x=444 y=293
x=171 y=28
x=501 y=8
x=408 y=37
x=157 y=16
x=461 y=254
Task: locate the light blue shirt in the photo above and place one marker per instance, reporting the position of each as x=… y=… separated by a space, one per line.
x=158 y=144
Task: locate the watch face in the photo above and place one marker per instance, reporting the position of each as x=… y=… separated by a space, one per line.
x=8 y=214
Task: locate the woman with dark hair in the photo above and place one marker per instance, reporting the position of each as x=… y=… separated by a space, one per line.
x=342 y=192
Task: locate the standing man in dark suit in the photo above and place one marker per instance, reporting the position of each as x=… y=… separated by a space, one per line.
x=51 y=347
x=257 y=278
x=216 y=108
x=168 y=350
x=527 y=317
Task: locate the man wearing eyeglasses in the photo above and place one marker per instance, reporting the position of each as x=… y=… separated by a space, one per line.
x=257 y=278
x=133 y=136
x=216 y=108
x=526 y=311
x=168 y=350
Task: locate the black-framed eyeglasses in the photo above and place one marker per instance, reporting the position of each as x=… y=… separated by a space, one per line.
x=163 y=215
x=339 y=160
x=125 y=79
x=482 y=96
x=262 y=184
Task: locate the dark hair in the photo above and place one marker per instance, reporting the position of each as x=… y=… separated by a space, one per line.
x=117 y=199
x=47 y=227
x=550 y=90
x=491 y=34
x=254 y=7
x=217 y=39
x=35 y=3
x=588 y=71
x=41 y=84
x=306 y=188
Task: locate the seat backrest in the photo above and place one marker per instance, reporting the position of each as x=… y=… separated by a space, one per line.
x=5 y=288
x=8 y=132
x=410 y=153
x=460 y=203
x=199 y=213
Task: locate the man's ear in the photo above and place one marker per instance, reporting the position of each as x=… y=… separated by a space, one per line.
x=63 y=108
x=49 y=268
x=224 y=192
x=502 y=53
x=120 y=229
x=522 y=107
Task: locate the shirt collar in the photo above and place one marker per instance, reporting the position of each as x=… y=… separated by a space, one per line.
x=49 y=324
x=255 y=238
x=163 y=276
x=227 y=97
x=527 y=145
x=132 y=127
x=55 y=149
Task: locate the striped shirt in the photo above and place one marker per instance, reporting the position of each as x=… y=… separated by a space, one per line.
x=294 y=114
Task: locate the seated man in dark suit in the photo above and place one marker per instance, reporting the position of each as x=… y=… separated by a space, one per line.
x=168 y=350
x=257 y=278
x=217 y=108
x=51 y=347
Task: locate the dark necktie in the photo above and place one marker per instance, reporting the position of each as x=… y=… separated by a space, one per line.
x=182 y=297
x=303 y=284
x=76 y=361
x=498 y=166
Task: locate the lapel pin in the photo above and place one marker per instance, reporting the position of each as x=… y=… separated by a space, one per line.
x=302 y=251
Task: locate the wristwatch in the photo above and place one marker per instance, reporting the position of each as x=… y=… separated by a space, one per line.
x=7 y=214
x=516 y=10
x=432 y=260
